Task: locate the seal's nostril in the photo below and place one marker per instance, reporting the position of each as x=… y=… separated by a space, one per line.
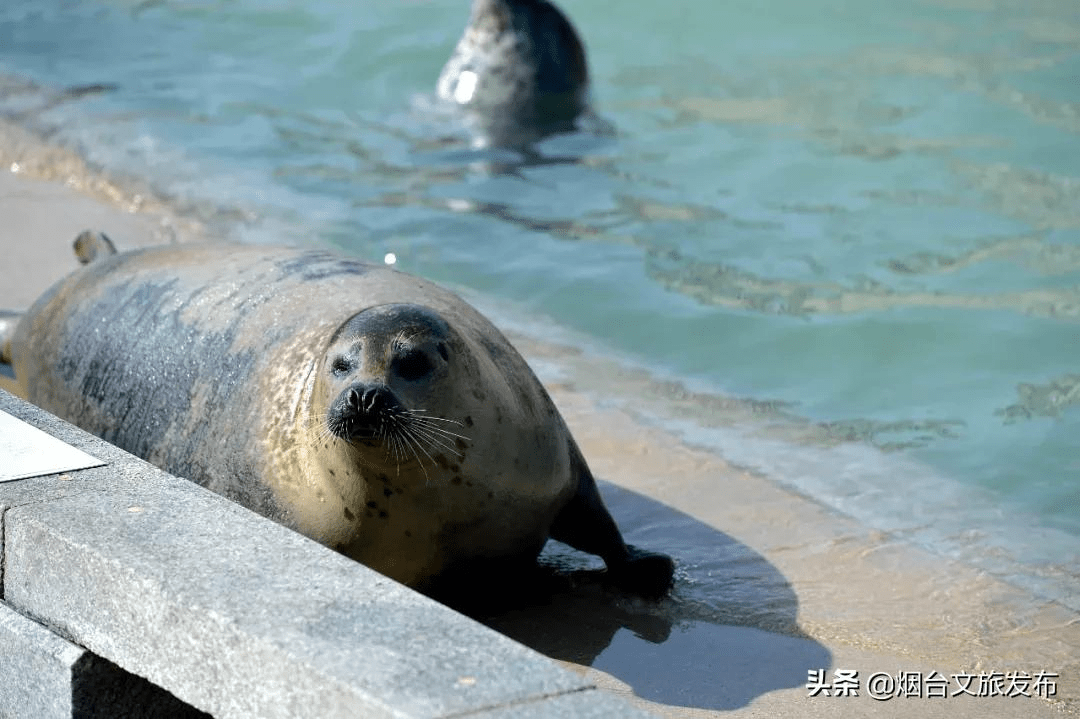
x=362 y=411
x=370 y=397
x=368 y=401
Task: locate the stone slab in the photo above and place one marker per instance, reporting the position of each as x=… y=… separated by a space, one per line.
x=239 y=616
x=45 y=676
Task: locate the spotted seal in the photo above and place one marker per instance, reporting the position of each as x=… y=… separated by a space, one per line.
x=519 y=72
x=368 y=409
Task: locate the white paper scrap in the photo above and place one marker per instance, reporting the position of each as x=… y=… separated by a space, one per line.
x=26 y=451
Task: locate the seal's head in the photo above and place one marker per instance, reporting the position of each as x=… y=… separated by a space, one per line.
x=385 y=376
x=519 y=71
x=400 y=393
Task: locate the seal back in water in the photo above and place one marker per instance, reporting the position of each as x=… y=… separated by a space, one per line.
x=366 y=408
x=519 y=72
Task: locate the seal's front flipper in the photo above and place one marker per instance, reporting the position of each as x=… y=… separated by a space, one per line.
x=645 y=573
x=9 y=320
x=91 y=245
x=585 y=524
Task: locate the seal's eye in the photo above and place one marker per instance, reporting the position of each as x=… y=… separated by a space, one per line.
x=412 y=365
x=340 y=366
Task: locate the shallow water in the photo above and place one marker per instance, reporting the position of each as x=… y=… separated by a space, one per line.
x=837 y=242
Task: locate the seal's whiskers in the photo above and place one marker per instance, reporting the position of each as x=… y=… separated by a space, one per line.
x=412 y=444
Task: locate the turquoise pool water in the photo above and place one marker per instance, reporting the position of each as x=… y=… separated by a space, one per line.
x=859 y=219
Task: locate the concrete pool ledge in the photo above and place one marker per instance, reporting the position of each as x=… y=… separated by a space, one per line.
x=121 y=571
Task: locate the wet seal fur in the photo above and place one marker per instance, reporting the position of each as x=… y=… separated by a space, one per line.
x=368 y=409
x=519 y=72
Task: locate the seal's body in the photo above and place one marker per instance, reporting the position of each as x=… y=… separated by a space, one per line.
x=368 y=409
x=519 y=71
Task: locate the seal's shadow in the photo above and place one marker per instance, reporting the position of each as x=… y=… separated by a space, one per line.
x=726 y=635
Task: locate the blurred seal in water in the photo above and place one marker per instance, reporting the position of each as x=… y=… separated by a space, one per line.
x=519 y=72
